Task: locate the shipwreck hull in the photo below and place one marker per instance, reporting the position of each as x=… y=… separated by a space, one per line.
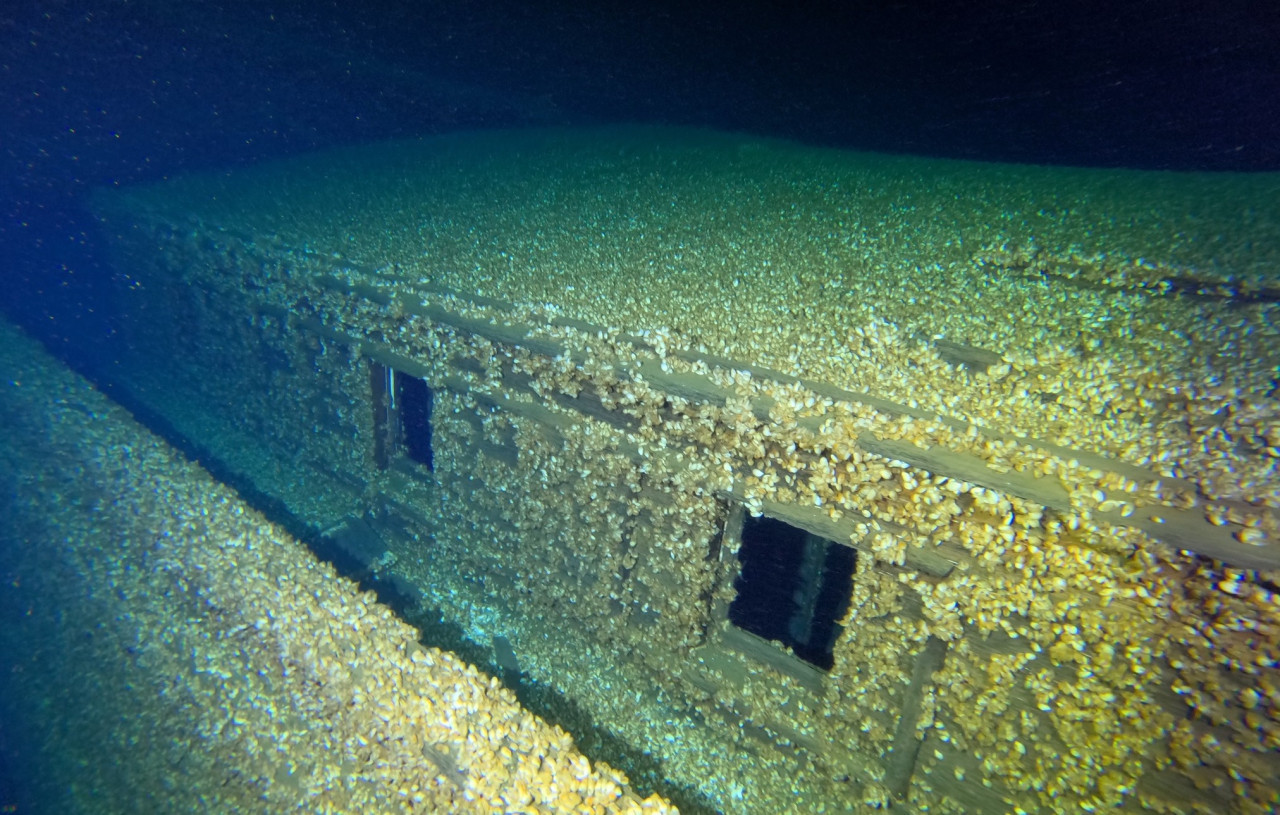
x=549 y=383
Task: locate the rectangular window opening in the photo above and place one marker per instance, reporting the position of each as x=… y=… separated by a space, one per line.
x=794 y=587
x=413 y=401
x=402 y=406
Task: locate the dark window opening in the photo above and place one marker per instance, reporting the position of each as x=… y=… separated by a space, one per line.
x=794 y=588
x=413 y=401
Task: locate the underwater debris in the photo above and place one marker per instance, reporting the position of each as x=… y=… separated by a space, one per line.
x=445 y=763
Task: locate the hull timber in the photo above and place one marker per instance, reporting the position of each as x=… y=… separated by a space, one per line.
x=1039 y=407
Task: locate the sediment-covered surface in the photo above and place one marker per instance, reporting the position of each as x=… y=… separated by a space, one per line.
x=1039 y=403
x=1122 y=312
x=167 y=649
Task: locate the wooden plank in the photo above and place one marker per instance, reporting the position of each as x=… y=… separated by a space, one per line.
x=938 y=460
x=901 y=761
